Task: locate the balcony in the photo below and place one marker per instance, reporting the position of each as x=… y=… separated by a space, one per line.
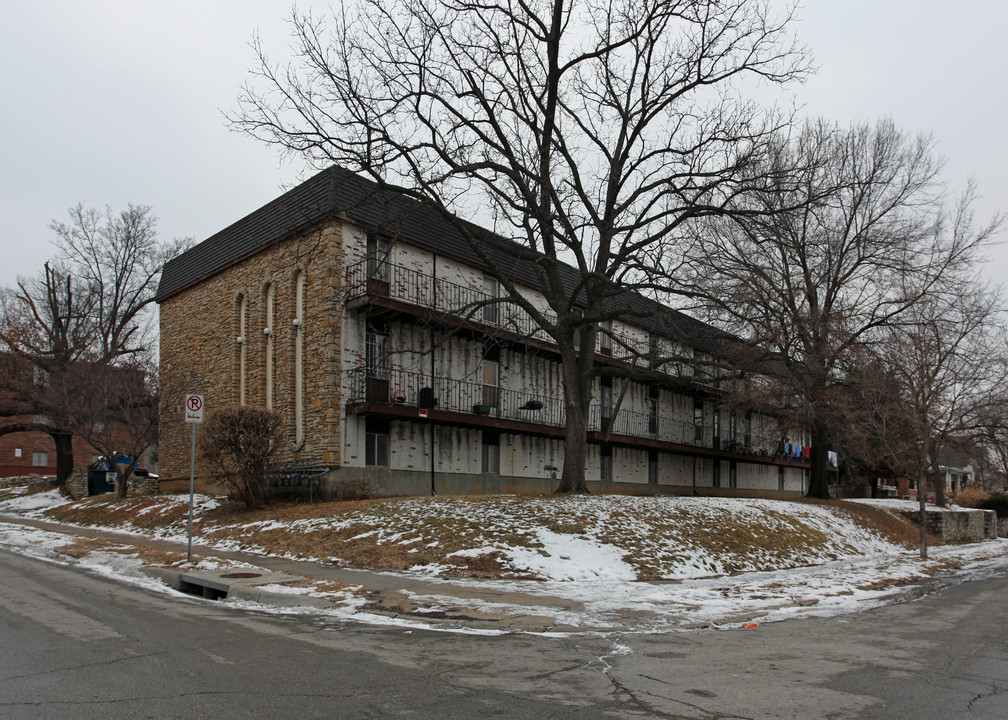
x=405 y=393
x=629 y=424
x=398 y=287
x=395 y=287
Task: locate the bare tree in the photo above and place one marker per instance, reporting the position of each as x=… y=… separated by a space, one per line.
x=587 y=132
x=114 y=408
x=943 y=354
x=849 y=238
x=90 y=306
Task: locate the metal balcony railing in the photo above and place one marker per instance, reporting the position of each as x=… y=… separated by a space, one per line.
x=418 y=390
x=424 y=290
x=631 y=423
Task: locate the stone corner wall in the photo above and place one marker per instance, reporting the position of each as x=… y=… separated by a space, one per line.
x=77 y=483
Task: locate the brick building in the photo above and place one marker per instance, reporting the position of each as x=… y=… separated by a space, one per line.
x=363 y=319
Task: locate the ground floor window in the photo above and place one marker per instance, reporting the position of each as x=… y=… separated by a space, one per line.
x=40 y=459
x=376 y=444
x=491 y=452
x=606 y=468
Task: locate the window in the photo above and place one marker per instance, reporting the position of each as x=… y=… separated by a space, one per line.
x=698 y=421
x=40 y=459
x=780 y=478
x=378 y=249
x=716 y=425
x=376 y=354
x=733 y=474
x=490 y=290
x=654 y=350
x=491 y=452
x=652 y=468
x=376 y=359
x=605 y=337
x=605 y=397
x=606 y=465
x=652 y=407
x=576 y=316
x=747 y=439
x=716 y=476
x=490 y=380
x=376 y=444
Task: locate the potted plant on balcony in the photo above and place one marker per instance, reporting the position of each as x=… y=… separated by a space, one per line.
x=481 y=409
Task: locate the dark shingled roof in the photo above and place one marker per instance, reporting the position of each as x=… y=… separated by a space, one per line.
x=336 y=191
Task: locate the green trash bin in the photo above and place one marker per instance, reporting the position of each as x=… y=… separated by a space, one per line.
x=101 y=481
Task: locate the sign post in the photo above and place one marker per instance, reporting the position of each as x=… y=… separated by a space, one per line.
x=193 y=415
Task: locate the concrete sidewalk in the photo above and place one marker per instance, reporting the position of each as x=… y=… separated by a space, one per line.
x=433 y=600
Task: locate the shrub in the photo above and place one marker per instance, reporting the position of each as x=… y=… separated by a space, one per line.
x=971 y=497
x=241 y=441
x=998 y=502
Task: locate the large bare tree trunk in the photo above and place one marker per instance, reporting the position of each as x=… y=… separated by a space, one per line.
x=577 y=401
x=64 y=455
x=818 y=479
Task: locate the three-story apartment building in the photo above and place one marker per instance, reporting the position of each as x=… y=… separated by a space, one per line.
x=374 y=328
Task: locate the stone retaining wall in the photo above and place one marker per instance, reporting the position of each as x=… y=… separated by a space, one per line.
x=959 y=525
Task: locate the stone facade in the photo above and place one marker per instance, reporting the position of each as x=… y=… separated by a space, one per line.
x=200 y=352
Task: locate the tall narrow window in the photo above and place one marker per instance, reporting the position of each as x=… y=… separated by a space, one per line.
x=605 y=337
x=299 y=333
x=605 y=397
x=376 y=443
x=698 y=422
x=733 y=474
x=268 y=331
x=652 y=407
x=780 y=477
x=716 y=426
x=242 y=347
x=491 y=292
x=606 y=466
x=491 y=452
x=576 y=316
x=747 y=438
x=652 y=468
x=491 y=377
x=654 y=351
x=716 y=475
x=378 y=249
x=376 y=359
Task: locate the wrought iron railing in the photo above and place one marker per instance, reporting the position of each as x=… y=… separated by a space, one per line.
x=421 y=289
x=420 y=390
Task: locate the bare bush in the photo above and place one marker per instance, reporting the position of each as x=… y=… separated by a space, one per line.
x=971 y=497
x=240 y=441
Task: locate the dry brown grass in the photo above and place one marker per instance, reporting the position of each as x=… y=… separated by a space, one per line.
x=399 y=534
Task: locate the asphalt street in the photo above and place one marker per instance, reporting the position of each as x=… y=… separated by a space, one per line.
x=75 y=645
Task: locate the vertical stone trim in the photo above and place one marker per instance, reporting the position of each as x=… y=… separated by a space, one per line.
x=243 y=342
x=269 y=323
x=299 y=334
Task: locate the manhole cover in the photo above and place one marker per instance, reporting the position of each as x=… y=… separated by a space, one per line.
x=237 y=575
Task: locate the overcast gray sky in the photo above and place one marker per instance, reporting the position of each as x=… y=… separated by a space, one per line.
x=115 y=101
